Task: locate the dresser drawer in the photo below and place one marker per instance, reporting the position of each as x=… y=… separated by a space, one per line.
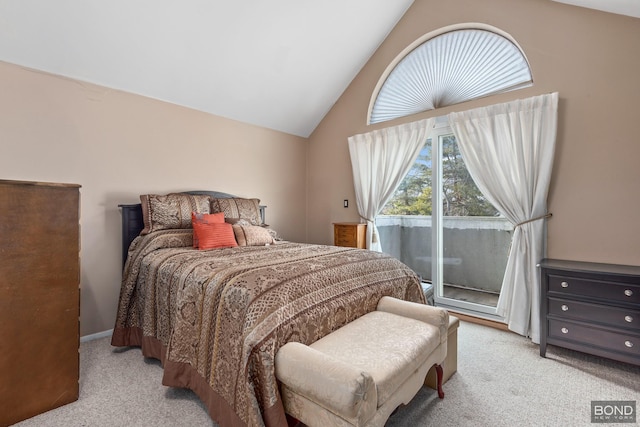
x=598 y=289
x=610 y=340
x=614 y=316
x=591 y=307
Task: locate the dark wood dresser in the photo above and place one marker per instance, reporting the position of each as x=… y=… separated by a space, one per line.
x=591 y=307
x=39 y=297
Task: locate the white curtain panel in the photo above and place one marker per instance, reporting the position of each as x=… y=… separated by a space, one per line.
x=380 y=160
x=509 y=149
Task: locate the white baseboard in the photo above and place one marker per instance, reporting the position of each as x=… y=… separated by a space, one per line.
x=96 y=336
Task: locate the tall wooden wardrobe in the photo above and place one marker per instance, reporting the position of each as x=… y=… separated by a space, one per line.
x=39 y=297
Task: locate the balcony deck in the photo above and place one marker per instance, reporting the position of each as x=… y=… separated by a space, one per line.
x=477 y=296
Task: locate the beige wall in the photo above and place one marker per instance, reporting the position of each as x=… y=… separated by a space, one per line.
x=118 y=145
x=589 y=57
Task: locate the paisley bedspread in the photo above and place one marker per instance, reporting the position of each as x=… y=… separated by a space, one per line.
x=216 y=318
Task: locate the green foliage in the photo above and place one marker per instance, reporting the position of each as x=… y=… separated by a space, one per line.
x=413 y=196
x=460 y=195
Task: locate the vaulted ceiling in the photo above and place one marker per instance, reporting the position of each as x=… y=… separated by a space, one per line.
x=279 y=64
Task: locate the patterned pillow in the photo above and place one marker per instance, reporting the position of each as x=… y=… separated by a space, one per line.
x=234 y=221
x=171 y=211
x=217 y=218
x=252 y=235
x=216 y=235
x=248 y=209
x=274 y=234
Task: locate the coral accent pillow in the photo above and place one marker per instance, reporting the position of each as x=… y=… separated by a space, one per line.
x=216 y=218
x=216 y=235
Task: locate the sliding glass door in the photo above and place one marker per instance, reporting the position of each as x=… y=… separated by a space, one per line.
x=440 y=225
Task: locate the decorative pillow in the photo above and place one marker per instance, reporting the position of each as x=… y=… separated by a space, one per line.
x=171 y=211
x=274 y=234
x=216 y=218
x=252 y=235
x=248 y=209
x=216 y=235
x=237 y=221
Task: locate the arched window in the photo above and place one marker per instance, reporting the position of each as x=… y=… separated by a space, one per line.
x=449 y=66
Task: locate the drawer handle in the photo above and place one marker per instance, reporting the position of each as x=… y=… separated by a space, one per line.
x=628 y=319
x=628 y=292
x=628 y=344
x=566 y=331
x=564 y=307
x=564 y=284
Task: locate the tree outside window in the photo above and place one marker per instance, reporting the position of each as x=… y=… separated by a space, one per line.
x=461 y=196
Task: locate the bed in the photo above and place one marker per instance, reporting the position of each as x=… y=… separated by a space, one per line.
x=216 y=317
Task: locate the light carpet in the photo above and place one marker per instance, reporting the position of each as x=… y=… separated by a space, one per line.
x=501 y=381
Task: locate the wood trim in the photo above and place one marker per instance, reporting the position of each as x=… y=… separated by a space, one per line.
x=45 y=184
x=480 y=321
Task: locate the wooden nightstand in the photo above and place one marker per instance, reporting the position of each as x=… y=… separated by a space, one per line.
x=351 y=234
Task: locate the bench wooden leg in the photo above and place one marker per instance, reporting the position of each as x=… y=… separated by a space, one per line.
x=293 y=422
x=440 y=375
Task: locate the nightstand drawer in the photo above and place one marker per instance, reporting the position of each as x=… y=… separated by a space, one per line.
x=346 y=233
x=349 y=234
x=610 y=340
x=614 y=316
x=599 y=289
x=351 y=243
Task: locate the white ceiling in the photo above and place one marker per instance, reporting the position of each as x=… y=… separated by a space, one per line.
x=621 y=7
x=279 y=64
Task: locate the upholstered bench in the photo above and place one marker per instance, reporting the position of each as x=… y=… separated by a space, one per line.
x=359 y=374
x=450 y=364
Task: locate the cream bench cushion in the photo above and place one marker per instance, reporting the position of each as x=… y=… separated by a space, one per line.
x=360 y=373
x=387 y=346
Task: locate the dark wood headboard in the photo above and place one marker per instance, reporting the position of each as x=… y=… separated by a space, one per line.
x=132 y=222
